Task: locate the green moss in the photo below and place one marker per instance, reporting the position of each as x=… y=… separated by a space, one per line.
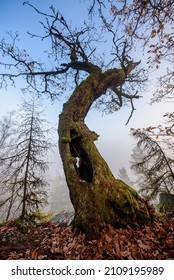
x=66 y=139
x=127 y=206
x=164 y=208
x=82 y=84
x=39 y=217
x=21 y=225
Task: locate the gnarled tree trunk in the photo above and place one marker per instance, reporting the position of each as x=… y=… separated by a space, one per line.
x=98 y=198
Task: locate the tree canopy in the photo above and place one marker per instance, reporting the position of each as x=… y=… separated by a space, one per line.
x=145 y=25
x=75 y=52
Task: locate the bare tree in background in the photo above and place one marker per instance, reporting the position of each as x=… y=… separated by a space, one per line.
x=59 y=198
x=123 y=175
x=23 y=162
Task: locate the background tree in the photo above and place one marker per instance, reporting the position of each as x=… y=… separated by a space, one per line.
x=155 y=164
x=98 y=198
x=123 y=175
x=59 y=197
x=140 y=179
x=23 y=162
x=6 y=129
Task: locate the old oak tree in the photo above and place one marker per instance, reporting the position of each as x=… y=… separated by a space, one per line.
x=97 y=196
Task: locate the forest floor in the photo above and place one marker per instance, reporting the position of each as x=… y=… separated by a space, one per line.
x=50 y=241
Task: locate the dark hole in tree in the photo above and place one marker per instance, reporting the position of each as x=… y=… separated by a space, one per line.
x=83 y=165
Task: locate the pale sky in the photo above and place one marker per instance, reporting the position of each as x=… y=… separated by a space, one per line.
x=115 y=142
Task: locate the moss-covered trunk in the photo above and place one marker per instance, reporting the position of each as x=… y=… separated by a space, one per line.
x=98 y=198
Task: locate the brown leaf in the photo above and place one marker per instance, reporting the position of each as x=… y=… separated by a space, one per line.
x=148 y=230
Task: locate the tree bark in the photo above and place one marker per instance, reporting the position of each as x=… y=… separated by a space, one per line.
x=98 y=198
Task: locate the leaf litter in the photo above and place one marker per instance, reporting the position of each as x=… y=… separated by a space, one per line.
x=51 y=241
